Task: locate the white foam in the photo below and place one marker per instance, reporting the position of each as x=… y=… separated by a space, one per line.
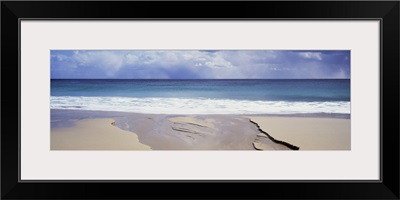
x=195 y=106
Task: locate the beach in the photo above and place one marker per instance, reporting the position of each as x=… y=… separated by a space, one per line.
x=200 y=114
x=308 y=133
x=107 y=130
x=94 y=134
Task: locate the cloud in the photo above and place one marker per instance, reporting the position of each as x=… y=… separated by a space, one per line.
x=188 y=64
x=311 y=55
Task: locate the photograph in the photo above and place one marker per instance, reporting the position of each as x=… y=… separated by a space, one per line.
x=112 y=99
x=249 y=100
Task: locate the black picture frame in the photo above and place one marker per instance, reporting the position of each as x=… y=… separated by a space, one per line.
x=386 y=11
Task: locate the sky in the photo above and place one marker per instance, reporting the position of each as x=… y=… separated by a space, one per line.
x=199 y=64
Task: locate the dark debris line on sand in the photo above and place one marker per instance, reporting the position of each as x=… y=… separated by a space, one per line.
x=290 y=146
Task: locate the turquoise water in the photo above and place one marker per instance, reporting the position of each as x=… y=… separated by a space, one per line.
x=203 y=96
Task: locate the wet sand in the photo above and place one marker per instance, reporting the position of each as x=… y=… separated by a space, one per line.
x=195 y=132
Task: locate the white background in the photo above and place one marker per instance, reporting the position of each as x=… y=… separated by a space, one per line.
x=39 y=37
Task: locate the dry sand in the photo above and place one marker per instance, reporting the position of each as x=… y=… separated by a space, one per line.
x=94 y=134
x=308 y=133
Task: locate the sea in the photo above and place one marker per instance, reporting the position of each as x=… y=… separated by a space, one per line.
x=216 y=96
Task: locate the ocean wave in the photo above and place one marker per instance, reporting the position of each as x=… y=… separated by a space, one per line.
x=195 y=105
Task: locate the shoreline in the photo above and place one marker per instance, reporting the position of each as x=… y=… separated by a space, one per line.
x=310 y=115
x=221 y=131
